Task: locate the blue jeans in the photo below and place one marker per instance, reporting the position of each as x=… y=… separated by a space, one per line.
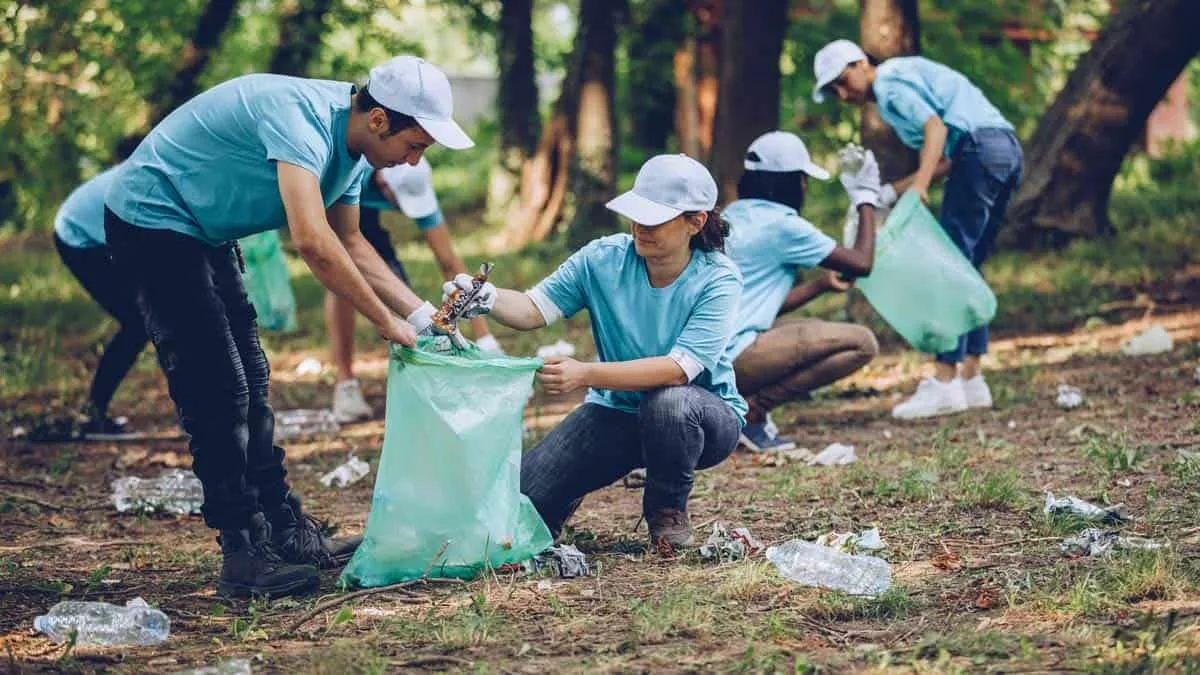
x=676 y=431
x=986 y=170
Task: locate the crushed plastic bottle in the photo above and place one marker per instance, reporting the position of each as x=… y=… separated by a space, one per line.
x=1153 y=340
x=175 y=491
x=1075 y=506
x=814 y=565
x=105 y=625
x=1068 y=397
x=291 y=424
x=350 y=472
x=223 y=667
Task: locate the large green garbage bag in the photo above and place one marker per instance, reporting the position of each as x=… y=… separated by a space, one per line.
x=267 y=281
x=447 y=494
x=922 y=284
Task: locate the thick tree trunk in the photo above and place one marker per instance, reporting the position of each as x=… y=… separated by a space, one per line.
x=697 y=78
x=301 y=31
x=1083 y=137
x=748 y=101
x=520 y=123
x=652 y=50
x=888 y=28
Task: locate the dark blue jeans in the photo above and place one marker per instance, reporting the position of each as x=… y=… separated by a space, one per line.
x=676 y=431
x=203 y=327
x=986 y=170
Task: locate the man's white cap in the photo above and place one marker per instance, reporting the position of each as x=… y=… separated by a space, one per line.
x=412 y=187
x=409 y=85
x=781 y=152
x=666 y=186
x=829 y=63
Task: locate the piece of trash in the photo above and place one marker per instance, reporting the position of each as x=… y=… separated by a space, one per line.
x=728 y=545
x=1125 y=483
x=1012 y=424
x=835 y=454
x=1153 y=340
x=174 y=491
x=848 y=542
x=351 y=471
x=561 y=348
x=887 y=434
x=634 y=480
x=947 y=562
x=544 y=585
x=1095 y=542
x=1068 y=397
x=1078 y=507
x=227 y=666
x=564 y=560
x=291 y=424
x=102 y=624
x=810 y=564
x=21 y=432
x=309 y=366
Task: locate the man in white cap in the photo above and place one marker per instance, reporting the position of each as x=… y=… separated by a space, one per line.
x=249 y=155
x=779 y=361
x=409 y=189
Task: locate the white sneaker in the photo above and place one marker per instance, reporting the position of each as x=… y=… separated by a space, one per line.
x=976 y=391
x=933 y=398
x=349 y=404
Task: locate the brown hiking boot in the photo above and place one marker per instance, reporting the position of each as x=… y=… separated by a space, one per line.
x=670 y=530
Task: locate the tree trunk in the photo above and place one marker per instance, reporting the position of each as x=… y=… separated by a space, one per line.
x=652 y=48
x=517 y=102
x=1083 y=137
x=301 y=31
x=748 y=101
x=697 y=73
x=888 y=28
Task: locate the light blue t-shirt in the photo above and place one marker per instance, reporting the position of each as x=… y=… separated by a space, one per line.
x=80 y=220
x=911 y=89
x=373 y=198
x=208 y=170
x=769 y=242
x=632 y=320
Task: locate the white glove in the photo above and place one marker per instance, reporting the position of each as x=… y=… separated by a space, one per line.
x=422 y=319
x=888 y=196
x=489 y=345
x=863 y=186
x=483 y=302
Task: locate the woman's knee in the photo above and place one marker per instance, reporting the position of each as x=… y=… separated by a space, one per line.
x=668 y=402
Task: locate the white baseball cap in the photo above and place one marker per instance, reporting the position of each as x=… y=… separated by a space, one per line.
x=413 y=188
x=666 y=186
x=829 y=63
x=781 y=152
x=411 y=86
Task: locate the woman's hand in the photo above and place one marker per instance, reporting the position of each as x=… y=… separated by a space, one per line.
x=562 y=375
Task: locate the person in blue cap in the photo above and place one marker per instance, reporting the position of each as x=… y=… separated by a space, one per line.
x=938 y=111
x=253 y=154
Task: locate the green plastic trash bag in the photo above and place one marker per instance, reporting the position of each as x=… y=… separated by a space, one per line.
x=267 y=281
x=448 y=492
x=922 y=284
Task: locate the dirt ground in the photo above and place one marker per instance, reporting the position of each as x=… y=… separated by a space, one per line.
x=980 y=584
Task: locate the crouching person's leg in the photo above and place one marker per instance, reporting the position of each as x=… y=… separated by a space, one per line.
x=682 y=429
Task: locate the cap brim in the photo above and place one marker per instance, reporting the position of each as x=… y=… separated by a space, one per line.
x=448 y=133
x=418 y=206
x=641 y=210
x=819 y=91
x=815 y=171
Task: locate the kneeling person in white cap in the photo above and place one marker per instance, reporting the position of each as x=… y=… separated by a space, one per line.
x=249 y=155
x=409 y=189
x=661 y=395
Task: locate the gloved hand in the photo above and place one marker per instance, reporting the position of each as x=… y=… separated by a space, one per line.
x=888 y=196
x=863 y=185
x=488 y=345
x=482 y=302
x=422 y=319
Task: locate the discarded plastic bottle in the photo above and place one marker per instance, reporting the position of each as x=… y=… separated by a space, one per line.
x=291 y=424
x=102 y=624
x=175 y=491
x=813 y=565
x=225 y=667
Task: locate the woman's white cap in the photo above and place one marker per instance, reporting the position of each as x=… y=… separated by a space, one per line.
x=781 y=152
x=829 y=63
x=666 y=186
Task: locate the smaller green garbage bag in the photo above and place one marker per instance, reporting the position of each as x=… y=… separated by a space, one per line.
x=267 y=281
x=448 y=491
x=922 y=284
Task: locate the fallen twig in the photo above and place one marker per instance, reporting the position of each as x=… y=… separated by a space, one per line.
x=74 y=541
x=35 y=500
x=432 y=661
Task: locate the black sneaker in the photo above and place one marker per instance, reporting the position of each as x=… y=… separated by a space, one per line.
x=98 y=426
x=302 y=539
x=251 y=567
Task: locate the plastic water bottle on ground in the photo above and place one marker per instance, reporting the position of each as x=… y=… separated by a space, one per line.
x=290 y=424
x=105 y=625
x=813 y=565
x=224 y=667
x=175 y=491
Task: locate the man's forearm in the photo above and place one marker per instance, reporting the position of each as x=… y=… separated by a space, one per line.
x=390 y=289
x=336 y=271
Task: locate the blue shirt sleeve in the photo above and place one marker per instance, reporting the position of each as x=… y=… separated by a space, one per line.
x=430 y=221
x=353 y=193
x=712 y=321
x=905 y=102
x=289 y=137
x=566 y=286
x=802 y=244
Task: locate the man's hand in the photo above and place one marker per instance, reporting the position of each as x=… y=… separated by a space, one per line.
x=562 y=375
x=398 y=330
x=832 y=281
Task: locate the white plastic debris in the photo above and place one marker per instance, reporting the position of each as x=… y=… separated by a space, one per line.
x=174 y=491
x=291 y=424
x=727 y=545
x=103 y=624
x=848 y=542
x=1153 y=340
x=1012 y=424
x=814 y=565
x=1096 y=542
x=561 y=348
x=564 y=560
x=1078 y=507
x=835 y=454
x=1068 y=397
x=225 y=667
x=309 y=366
x=21 y=432
x=349 y=473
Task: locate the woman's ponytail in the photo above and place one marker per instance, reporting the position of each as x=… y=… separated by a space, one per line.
x=712 y=236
